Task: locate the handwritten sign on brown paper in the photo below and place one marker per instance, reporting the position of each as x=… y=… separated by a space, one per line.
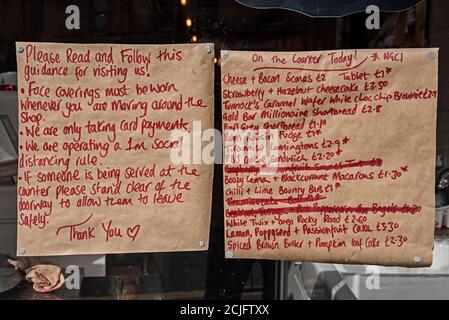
x=95 y=174
x=329 y=156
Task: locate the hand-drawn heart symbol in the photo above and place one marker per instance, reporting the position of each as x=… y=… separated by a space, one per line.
x=132 y=232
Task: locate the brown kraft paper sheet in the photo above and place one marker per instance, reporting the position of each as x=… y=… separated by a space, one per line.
x=350 y=177
x=95 y=174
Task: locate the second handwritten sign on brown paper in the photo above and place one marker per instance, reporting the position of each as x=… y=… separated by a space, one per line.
x=95 y=174
x=329 y=156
